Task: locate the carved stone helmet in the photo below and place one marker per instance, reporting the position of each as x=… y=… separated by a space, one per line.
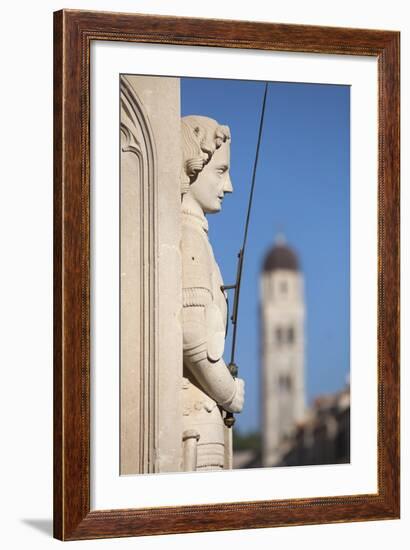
x=201 y=136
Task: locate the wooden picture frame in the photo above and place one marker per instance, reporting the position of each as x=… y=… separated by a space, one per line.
x=74 y=32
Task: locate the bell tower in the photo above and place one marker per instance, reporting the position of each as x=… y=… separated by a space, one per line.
x=282 y=314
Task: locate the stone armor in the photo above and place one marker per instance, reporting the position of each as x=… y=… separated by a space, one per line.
x=207 y=441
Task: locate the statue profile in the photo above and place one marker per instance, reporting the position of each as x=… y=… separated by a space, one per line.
x=209 y=391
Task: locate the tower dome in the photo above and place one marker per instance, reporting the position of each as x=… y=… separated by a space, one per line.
x=281 y=256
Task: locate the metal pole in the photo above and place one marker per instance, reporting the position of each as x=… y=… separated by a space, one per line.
x=233 y=369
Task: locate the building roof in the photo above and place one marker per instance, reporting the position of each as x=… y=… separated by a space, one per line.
x=281 y=256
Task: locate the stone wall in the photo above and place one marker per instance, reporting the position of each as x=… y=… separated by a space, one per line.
x=150 y=264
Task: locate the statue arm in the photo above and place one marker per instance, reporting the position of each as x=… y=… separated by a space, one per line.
x=203 y=326
x=205 y=364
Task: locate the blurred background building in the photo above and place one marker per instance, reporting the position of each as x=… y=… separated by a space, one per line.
x=282 y=314
x=291 y=433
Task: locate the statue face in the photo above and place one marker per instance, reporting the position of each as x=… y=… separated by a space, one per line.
x=213 y=181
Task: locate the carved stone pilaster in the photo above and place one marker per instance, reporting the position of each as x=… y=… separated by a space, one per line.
x=151 y=355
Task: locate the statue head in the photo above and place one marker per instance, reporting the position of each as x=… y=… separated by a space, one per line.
x=206 y=159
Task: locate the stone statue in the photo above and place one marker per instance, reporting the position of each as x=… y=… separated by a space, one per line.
x=209 y=390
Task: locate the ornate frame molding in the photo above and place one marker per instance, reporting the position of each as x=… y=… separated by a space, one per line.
x=73 y=33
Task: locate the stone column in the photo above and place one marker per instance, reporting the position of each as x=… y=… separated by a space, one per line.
x=150 y=264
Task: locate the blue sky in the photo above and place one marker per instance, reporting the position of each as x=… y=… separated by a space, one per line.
x=302 y=191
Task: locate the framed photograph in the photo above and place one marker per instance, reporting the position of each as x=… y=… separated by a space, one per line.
x=226 y=275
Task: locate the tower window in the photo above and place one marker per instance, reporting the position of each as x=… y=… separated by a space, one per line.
x=284 y=334
x=285 y=383
x=283 y=287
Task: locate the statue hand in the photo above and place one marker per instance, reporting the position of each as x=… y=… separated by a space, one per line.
x=235 y=404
